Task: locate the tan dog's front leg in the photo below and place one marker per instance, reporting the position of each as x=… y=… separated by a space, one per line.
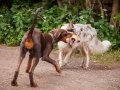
x=60 y=58
x=67 y=57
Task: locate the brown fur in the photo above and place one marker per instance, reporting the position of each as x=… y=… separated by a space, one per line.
x=42 y=46
x=67 y=36
x=38 y=45
x=29 y=42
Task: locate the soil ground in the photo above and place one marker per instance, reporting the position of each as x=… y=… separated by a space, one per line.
x=99 y=76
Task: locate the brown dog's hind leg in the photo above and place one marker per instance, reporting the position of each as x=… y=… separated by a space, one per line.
x=37 y=55
x=21 y=57
x=35 y=62
x=29 y=63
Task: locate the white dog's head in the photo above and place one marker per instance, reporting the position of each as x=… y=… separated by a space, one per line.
x=85 y=32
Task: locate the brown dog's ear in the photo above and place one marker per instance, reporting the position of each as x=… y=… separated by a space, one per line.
x=57 y=32
x=59 y=35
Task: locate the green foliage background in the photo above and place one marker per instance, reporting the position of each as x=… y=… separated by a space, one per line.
x=14 y=22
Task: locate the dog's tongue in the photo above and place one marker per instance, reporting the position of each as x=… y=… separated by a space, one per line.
x=72 y=40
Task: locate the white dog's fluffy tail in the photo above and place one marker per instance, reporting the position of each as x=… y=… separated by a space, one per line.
x=100 y=47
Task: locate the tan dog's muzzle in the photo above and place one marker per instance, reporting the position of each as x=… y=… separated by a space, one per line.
x=74 y=39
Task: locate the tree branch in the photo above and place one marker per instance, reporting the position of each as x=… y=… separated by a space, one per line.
x=101 y=8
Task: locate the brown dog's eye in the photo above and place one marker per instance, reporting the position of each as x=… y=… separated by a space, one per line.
x=66 y=34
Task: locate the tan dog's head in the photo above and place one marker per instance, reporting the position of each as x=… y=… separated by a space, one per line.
x=75 y=37
x=60 y=35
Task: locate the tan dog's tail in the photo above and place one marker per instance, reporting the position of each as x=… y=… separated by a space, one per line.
x=29 y=41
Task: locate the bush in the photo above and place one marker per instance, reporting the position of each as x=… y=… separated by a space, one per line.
x=16 y=21
x=14 y=24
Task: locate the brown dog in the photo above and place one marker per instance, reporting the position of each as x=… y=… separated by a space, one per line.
x=38 y=45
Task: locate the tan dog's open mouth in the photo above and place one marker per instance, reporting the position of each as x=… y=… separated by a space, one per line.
x=72 y=40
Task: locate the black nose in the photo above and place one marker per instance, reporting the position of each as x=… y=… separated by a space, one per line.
x=78 y=41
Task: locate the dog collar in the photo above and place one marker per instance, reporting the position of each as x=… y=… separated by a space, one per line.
x=52 y=38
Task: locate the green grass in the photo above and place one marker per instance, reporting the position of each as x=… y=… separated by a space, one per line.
x=108 y=57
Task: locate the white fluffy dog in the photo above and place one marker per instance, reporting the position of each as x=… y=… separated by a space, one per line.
x=89 y=43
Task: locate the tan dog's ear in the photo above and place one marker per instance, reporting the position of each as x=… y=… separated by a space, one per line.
x=70 y=25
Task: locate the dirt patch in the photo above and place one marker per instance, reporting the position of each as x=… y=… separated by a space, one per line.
x=99 y=76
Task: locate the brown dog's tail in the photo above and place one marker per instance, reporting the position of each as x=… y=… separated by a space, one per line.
x=29 y=41
x=35 y=20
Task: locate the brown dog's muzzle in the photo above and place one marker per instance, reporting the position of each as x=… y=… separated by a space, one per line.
x=64 y=38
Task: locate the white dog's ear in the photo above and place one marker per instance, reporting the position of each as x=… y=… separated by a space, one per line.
x=89 y=26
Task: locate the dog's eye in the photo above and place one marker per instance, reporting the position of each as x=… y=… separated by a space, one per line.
x=81 y=29
x=66 y=34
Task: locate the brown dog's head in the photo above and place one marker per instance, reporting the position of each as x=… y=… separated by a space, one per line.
x=60 y=35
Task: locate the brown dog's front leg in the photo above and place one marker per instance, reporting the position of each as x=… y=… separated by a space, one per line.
x=45 y=58
x=57 y=67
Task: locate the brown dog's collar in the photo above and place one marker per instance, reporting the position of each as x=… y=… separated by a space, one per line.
x=52 y=38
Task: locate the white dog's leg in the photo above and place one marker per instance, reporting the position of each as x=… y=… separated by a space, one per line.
x=67 y=57
x=87 y=58
x=83 y=57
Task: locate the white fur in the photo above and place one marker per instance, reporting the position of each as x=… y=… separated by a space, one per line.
x=89 y=43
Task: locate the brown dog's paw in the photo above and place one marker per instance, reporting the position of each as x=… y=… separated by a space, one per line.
x=33 y=84
x=14 y=83
x=58 y=70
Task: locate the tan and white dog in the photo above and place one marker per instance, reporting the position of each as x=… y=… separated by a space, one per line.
x=89 y=43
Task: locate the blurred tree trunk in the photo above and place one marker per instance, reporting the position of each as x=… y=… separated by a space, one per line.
x=88 y=4
x=101 y=8
x=60 y=3
x=115 y=7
